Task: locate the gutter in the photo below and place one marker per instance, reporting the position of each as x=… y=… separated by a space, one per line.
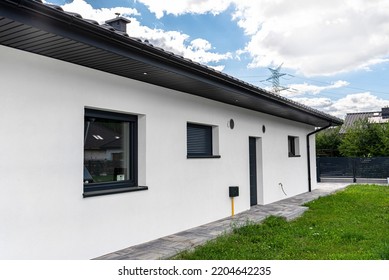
x=309 y=153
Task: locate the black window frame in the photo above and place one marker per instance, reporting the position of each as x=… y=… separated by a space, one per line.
x=204 y=147
x=292 y=149
x=105 y=188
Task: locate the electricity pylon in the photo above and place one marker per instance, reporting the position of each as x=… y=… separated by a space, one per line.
x=275 y=79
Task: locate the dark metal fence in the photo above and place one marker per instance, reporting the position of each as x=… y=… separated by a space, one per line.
x=340 y=167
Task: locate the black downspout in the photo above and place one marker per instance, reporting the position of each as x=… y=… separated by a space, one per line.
x=309 y=154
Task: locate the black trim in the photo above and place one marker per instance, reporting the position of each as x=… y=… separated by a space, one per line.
x=199 y=156
x=119 y=186
x=94 y=113
x=115 y=191
x=253 y=172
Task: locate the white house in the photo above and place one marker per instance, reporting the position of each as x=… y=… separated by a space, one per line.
x=175 y=135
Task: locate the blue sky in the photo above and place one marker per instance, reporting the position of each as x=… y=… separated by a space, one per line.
x=334 y=54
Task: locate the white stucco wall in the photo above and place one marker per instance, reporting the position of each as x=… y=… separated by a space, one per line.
x=42 y=212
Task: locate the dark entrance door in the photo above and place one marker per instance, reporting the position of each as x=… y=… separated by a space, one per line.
x=253 y=170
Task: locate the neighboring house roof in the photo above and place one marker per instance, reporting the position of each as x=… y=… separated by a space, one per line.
x=373 y=117
x=48 y=30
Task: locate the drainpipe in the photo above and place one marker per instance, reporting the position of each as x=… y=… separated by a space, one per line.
x=309 y=154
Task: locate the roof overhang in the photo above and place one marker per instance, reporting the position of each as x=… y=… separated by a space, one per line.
x=48 y=30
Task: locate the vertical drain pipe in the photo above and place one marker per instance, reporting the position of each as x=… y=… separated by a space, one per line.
x=309 y=153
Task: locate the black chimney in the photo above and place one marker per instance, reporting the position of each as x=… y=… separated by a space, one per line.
x=119 y=23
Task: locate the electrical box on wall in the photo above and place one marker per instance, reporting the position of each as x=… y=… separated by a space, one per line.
x=234 y=191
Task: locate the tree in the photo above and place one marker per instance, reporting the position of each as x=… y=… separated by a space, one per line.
x=384 y=139
x=363 y=139
x=328 y=141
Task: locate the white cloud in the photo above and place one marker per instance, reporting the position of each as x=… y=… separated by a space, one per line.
x=352 y=103
x=359 y=102
x=173 y=41
x=305 y=88
x=315 y=37
x=198 y=44
x=179 y=7
x=318 y=103
x=199 y=50
x=219 y=68
x=100 y=15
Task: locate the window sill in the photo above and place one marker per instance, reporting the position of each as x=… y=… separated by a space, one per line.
x=195 y=156
x=114 y=191
x=294 y=155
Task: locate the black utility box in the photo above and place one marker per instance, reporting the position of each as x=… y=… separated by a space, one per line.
x=234 y=191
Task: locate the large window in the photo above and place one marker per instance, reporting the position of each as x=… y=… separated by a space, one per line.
x=110 y=153
x=201 y=141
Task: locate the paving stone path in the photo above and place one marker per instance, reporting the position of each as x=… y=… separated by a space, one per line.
x=168 y=246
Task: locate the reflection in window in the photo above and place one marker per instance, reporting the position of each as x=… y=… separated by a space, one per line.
x=105 y=152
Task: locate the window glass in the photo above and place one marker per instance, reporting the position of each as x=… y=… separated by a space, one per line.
x=106 y=150
x=291 y=146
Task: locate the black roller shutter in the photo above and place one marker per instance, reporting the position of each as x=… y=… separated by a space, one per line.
x=199 y=140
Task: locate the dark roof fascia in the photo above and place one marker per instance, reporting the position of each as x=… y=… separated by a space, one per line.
x=69 y=25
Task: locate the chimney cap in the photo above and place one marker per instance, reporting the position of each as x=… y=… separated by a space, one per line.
x=118 y=18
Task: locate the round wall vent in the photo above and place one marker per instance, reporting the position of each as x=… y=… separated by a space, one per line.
x=231 y=124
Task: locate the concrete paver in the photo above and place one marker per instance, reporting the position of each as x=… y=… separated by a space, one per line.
x=169 y=246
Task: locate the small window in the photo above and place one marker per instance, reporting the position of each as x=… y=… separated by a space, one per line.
x=110 y=153
x=200 y=141
x=293 y=146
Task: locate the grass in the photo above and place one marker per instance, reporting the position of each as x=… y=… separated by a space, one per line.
x=350 y=225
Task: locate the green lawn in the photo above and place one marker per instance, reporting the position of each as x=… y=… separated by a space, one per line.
x=350 y=225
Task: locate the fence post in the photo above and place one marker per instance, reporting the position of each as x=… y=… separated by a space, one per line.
x=318 y=170
x=354 y=166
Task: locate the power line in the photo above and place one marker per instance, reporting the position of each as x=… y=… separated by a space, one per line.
x=327 y=83
x=276 y=75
